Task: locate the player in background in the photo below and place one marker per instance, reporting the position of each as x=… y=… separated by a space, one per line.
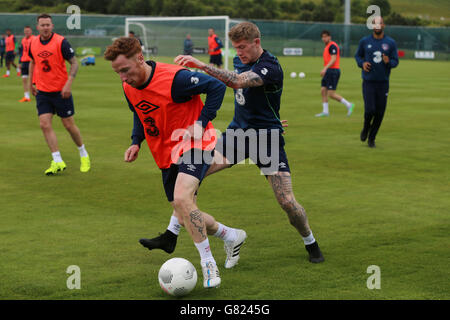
x=25 y=62
x=214 y=49
x=131 y=34
x=53 y=89
x=10 y=47
x=258 y=85
x=188 y=45
x=376 y=56
x=169 y=114
x=330 y=75
x=2 y=49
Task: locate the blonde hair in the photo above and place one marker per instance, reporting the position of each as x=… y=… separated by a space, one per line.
x=123 y=45
x=244 y=31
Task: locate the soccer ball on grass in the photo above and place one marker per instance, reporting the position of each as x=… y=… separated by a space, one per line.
x=177 y=277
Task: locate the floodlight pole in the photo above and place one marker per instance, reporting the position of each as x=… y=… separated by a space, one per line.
x=347 y=23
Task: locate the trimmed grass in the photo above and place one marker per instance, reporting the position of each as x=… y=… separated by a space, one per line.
x=386 y=207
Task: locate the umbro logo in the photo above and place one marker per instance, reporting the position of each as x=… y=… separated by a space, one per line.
x=282 y=165
x=44 y=54
x=146 y=107
x=191 y=167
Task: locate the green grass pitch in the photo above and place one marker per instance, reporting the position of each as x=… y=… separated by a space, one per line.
x=387 y=206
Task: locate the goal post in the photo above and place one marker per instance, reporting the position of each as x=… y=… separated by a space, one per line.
x=164 y=36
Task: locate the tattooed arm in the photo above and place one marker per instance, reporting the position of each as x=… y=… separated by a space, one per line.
x=230 y=78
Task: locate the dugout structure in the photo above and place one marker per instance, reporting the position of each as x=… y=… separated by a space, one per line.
x=164 y=36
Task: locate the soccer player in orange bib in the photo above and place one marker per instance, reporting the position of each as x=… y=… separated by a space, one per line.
x=170 y=116
x=214 y=49
x=53 y=89
x=330 y=75
x=25 y=62
x=10 y=46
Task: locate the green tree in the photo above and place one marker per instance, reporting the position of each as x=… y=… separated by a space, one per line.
x=384 y=5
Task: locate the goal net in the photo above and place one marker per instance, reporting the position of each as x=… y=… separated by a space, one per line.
x=164 y=36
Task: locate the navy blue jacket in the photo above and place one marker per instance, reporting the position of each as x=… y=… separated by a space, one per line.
x=372 y=50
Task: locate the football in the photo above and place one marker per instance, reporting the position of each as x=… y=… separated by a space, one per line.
x=293 y=74
x=301 y=75
x=177 y=277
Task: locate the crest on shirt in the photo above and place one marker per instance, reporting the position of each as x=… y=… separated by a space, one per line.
x=369 y=46
x=146 y=107
x=264 y=71
x=44 y=54
x=385 y=46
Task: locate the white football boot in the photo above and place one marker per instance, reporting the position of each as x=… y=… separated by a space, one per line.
x=211 y=277
x=233 y=248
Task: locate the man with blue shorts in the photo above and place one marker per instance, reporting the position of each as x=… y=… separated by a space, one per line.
x=169 y=114
x=376 y=56
x=53 y=90
x=258 y=85
x=330 y=74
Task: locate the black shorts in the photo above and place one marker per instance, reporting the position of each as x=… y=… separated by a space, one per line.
x=216 y=59
x=189 y=163
x=53 y=102
x=331 y=78
x=24 y=68
x=10 y=56
x=264 y=147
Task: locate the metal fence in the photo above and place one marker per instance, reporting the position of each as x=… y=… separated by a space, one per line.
x=98 y=31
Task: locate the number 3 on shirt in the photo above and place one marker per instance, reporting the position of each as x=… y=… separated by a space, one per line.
x=152 y=129
x=46 y=66
x=377 y=57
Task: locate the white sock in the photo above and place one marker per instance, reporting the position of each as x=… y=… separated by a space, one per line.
x=325 y=107
x=347 y=104
x=26 y=94
x=18 y=70
x=57 y=156
x=226 y=233
x=7 y=72
x=205 y=252
x=309 y=239
x=83 y=152
x=174 y=225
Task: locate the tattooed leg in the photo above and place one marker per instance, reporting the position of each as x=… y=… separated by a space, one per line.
x=196 y=225
x=282 y=186
x=184 y=205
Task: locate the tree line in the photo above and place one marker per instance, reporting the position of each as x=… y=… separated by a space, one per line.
x=292 y=10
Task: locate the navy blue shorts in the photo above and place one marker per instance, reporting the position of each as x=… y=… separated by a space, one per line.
x=331 y=78
x=216 y=59
x=264 y=147
x=24 y=68
x=194 y=162
x=53 y=102
x=10 y=56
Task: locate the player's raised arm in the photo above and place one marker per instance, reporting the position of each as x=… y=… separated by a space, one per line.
x=230 y=78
